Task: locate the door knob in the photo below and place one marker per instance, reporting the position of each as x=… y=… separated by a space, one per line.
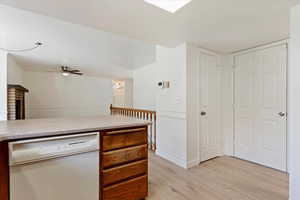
x=281 y=114
x=203 y=113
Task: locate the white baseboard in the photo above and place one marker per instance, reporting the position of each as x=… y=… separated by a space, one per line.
x=193 y=163
x=177 y=161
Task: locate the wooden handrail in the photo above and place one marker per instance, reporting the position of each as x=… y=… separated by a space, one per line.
x=142 y=114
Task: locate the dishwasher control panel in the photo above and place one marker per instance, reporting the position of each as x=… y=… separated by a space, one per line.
x=27 y=151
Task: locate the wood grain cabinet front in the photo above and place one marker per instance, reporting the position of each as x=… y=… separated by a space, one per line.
x=124 y=172
x=120 y=139
x=124 y=156
x=134 y=189
x=124 y=164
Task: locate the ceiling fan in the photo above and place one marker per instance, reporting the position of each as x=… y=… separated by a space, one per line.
x=66 y=71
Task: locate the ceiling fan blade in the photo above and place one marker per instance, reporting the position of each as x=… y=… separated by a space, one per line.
x=71 y=71
x=77 y=73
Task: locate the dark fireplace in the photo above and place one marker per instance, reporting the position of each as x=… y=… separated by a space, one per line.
x=18 y=109
x=16 y=102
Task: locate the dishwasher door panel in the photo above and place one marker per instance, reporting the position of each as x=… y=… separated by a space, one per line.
x=73 y=177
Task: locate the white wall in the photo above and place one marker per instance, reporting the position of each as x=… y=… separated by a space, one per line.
x=177 y=137
x=123 y=96
x=145 y=86
x=3 y=85
x=118 y=93
x=14 y=72
x=53 y=95
x=293 y=103
x=227 y=118
x=129 y=93
x=170 y=104
x=193 y=100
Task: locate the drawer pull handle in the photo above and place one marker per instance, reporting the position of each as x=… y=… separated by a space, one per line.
x=125 y=131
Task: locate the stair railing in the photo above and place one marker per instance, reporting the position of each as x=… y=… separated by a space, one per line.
x=147 y=115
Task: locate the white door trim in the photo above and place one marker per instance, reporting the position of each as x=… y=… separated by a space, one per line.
x=260 y=47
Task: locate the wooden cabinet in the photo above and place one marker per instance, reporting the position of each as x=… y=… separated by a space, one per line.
x=124 y=164
x=117 y=174
x=4 y=171
x=123 y=156
x=120 y=139
x=133 y=189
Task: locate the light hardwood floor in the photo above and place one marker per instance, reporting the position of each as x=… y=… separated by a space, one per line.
x=223 y=178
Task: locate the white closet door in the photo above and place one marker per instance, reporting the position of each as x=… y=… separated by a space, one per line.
x=210 y=133
x=260 y=107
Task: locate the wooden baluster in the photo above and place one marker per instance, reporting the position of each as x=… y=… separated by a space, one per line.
x=140 y=114
x=150 y=131
x=154 y=132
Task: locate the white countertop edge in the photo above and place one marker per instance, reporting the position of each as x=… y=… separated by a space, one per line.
x=117 y=123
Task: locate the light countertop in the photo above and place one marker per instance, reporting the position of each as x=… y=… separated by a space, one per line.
x=22 y=129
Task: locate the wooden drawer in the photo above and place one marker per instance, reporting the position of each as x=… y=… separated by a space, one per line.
x=123 y=156
x=134 y=189
x=117 y=174
x=124 y=138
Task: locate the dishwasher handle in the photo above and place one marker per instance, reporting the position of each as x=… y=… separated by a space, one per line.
x=29 y=151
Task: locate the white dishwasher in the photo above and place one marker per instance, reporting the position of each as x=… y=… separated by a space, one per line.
x=55 y=168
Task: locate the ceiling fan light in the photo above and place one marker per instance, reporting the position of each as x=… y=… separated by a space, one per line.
x=65 y=73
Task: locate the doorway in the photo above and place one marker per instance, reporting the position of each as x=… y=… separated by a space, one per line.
x=260 y=106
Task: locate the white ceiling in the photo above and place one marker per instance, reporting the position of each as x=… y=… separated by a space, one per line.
x=220 y=25
x=95 y=52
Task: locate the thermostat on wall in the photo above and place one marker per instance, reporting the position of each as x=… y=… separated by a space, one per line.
x=164 y=84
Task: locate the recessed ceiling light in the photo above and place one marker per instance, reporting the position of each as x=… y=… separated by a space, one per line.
x=169 y=5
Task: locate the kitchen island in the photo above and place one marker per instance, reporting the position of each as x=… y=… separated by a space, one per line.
x=123 y=152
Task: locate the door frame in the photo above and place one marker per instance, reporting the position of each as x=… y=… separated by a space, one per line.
x=199 y=106
x=284 y=42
